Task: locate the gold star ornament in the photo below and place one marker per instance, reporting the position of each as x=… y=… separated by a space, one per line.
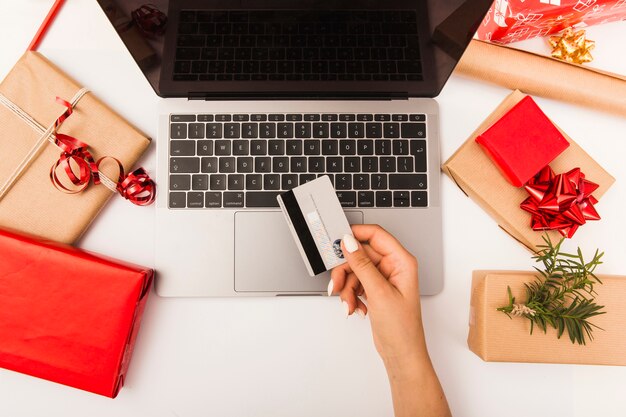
x=570 y=46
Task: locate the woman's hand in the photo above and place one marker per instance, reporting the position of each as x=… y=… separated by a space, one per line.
x=385 y=274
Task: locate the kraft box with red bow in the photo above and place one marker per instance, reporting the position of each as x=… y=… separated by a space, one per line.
x=516 y=20
x=64 y=153
x=555 y=198
x=67 y=315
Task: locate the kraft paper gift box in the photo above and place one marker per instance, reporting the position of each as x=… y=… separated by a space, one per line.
x=33 y=205
x=497 y=338
x=481 y=180
x=66 y=315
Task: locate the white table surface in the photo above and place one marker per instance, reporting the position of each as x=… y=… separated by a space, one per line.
x=299 y=356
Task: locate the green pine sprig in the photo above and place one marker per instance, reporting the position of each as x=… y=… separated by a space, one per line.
x=562 y=296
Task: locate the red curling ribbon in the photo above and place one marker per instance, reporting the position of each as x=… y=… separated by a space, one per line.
x=560 y=202
x=81 y=168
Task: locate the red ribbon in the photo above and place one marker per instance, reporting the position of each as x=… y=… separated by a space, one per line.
x=560 y=202
x=80 y=167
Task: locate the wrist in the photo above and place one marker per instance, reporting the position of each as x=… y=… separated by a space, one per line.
x=407 y=365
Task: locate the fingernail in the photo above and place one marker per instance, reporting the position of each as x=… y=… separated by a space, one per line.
x=350 y=243
x=347 y=307
x=360 y=313
x=331 y=286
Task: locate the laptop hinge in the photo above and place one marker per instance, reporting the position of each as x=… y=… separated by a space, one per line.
x=313 y=95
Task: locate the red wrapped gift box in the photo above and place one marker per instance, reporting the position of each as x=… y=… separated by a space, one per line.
x=67 y=315
x=516 y=20
x=522 y=142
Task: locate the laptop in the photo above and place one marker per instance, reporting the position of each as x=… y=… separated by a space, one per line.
x=261 y=96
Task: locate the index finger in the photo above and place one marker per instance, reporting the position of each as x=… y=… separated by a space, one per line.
x=378 y=238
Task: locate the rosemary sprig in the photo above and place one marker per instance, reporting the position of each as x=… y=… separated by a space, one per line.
x=562 y=296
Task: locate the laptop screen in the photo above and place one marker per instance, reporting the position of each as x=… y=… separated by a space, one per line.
x=296 y=48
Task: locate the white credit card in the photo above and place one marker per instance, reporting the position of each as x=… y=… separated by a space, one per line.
x=317 y=223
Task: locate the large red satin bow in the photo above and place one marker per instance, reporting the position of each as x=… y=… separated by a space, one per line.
x=560 y=202
x=80 y=168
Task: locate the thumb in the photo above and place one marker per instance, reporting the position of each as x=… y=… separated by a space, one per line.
x=361 y=264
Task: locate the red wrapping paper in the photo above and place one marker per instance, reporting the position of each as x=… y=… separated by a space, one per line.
x=67 y=315
x=516 y=20
x=522 y=142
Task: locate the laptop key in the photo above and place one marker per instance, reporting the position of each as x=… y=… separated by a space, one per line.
x=383 y=199
x=417 y=117
x=383 y=147
x=245 y=164
x=365 y=147
x=356 y=130
x=418 y=150
x=177 y=199
x=209 y=164
x=370 y=164
x=289 y=181
x=312 y=147
x=338 y=130
x=261 y=199
x=267 y=130
x=232 y=130
x=214 y=130
x=391 y=130
x=277 y=147
x=241 y=147
x=217 y=182
x=178 y=131
x=280 y=164
x=258 y=147
x=374 y=130
x=298 y=164
x=284 y=130
x=294 y=147
x=361 y=181
x=401 y=199
x=233 y=199
x=205 y=147
x=250 y=130
x=352 y=164
x=182 y=148
x=304 y=178
x=200 y=182
x=400 y=147
x=182 y=165
x=180 y=182
x=407 y=181
x=227 y=165
x=254 y=182
x=236 y=182
x=405 y=164
x=262 y=164
x=387 y=164
x=347 y=198
x=212 y=200
x=365 y=198
x=419 y=199
x=222 y=147
x=303 y=130
x=317 y=164
x=347 y=147
x=330 y=147
x=413 y=130
x=320 y=130
x=195 y=199
x=183 y=118
x=334 y=164
x=271 y=182
x=343 y=181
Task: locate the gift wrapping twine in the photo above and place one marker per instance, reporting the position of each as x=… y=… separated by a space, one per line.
x=136 y=187
x=543 y=76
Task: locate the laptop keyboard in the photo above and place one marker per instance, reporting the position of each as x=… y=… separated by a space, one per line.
x=295 y=45
x=246 y=160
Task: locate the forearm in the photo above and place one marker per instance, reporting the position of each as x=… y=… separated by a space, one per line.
x=415 y=388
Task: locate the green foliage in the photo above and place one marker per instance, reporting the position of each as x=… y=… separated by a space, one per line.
x=562 y=296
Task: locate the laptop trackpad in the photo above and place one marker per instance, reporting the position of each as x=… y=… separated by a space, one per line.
x=266 y=256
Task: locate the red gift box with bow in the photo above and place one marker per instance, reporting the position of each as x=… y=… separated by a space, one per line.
x=67 y=315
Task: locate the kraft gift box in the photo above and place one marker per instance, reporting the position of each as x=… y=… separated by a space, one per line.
x=33 y=205
x=495 y=337
x=473 y=171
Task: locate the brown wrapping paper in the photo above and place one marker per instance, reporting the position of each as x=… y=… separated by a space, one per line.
x=479 y=178
x=544 y=76
x=33 y=205
x=496 y=338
